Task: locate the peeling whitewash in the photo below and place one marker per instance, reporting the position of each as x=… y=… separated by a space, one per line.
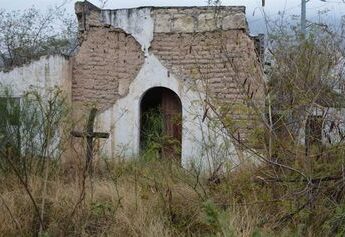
x=201 y=142
x=123 y=119
x=198 y=19
x=41 y=76
x=333 y=126
x=136 y=22
x=46 y=73
x=142 y=23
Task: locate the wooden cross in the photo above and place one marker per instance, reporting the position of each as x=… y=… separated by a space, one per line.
x=90 y=136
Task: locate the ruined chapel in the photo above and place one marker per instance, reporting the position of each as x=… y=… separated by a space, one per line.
x=180 y=61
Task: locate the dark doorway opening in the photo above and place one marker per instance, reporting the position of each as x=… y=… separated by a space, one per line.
x=161 y=124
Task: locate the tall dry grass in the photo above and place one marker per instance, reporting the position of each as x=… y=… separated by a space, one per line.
x=159 y=198
x=134 y=198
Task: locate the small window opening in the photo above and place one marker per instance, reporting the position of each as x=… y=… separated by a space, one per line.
x=10 y=124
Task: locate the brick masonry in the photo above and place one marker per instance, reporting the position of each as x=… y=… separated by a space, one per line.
x=107 y=62
x=224 y=61
x=203 y=44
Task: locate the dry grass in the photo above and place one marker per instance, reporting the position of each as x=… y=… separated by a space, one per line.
x=143 y=199
x=122 y=199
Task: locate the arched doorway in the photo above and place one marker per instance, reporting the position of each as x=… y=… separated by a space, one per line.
x=161 y=123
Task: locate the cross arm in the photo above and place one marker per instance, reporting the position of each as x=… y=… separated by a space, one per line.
x=101 y=135
x=92 y=135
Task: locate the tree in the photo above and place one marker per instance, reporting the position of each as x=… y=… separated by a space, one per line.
x=27 y=35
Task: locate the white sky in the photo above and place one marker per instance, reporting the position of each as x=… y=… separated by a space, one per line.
x=334 y=8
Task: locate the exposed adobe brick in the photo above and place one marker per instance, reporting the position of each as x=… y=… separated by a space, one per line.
x=107 y=62
x=225 y=62
x=225 y=59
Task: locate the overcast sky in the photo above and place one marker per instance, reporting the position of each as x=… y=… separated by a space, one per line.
x=334 y=8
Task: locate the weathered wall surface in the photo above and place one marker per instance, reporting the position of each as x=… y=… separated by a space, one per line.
x=198 y=52
x=222 y=59
x=123 y=119
x=333 y=125
x=224 y=62
x=106 y=64
x=41 y=75
x=198 y=19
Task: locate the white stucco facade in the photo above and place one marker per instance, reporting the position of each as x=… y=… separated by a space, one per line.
x=123 y=119
x=136 y=22
x=201 y=142
x=41 y=75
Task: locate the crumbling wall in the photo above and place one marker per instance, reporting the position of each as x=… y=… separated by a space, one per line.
x=201 y=53
x=223 y=62
x=193 y=42
x=221 y=59
x=198 y=19
x=41 y=75
x=106 y=64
